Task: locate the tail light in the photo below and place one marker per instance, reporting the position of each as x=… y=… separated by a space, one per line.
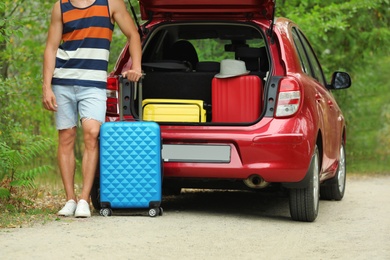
x=112 y=96
x=289 y=97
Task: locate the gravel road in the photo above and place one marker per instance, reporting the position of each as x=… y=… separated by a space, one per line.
x=220 y=225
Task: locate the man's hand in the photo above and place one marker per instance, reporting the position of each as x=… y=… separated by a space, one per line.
x=132 y=75
x=49 y=99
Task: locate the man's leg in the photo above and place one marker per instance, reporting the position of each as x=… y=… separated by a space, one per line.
x=91 y=130
x=66 y=160
x=92 y=110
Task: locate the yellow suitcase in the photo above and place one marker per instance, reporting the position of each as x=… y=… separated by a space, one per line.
x=173 y=110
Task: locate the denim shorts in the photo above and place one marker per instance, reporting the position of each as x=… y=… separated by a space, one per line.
x=76 y=102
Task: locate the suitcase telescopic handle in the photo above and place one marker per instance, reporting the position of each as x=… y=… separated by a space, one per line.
x=137 y=88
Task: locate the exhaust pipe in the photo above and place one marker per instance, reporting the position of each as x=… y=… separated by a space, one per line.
x=255 y=182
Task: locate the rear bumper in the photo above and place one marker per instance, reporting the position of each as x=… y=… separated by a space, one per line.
x=274 y=155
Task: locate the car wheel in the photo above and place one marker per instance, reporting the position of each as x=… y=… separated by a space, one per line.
x=304 y=202
x=95 y=194
x=334 y=188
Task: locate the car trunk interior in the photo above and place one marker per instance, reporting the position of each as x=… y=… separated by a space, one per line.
x=180 y=62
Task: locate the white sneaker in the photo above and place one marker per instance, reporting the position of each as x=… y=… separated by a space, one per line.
x=68 y=209
x=82 y=210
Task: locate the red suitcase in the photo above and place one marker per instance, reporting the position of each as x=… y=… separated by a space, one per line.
x=237 y=99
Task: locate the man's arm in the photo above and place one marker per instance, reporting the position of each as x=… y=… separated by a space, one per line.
x=53 y=41
x=120 y=15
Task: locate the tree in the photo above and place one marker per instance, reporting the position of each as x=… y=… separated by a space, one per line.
x=23 y=125
x=346 y=34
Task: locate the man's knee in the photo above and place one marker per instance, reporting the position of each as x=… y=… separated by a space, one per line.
x=91 y=129
x=67 y=136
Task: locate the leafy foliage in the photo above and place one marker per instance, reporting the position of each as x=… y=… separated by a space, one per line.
x=14 y=175
x=346 y=34
x=366 y=109
x=384 y=133
x=23 y=124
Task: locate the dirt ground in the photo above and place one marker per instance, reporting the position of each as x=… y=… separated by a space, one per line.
x=220 y=225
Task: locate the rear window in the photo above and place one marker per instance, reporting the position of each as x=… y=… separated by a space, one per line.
x=210 y=49
x=212 y=42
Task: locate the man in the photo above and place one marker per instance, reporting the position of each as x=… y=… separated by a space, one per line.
x=74 y=82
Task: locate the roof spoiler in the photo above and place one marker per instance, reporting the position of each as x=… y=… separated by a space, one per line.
x=270 y=31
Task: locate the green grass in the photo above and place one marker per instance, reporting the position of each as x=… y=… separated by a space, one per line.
x=31 y=206
x=28 y=218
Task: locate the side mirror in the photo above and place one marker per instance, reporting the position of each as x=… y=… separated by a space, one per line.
x=340 y=80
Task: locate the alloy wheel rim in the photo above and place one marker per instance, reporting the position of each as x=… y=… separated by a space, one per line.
x=341 y=170
x=316 y=186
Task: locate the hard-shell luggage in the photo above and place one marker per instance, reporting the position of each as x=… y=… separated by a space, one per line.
x=174 y=110
x=130 y=165
x=237 y=99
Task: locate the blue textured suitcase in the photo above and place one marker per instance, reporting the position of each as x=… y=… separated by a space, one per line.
x=130 y=167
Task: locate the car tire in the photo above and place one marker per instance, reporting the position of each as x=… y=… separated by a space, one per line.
x=95 y=194
x=334 y=188
x=304 y=203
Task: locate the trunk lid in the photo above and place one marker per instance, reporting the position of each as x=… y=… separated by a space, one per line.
x=205 y=8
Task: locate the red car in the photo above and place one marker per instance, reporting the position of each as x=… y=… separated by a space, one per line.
x=273 y=121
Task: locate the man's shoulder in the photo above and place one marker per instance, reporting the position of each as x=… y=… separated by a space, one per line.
x=56 y=10
x=115 y=5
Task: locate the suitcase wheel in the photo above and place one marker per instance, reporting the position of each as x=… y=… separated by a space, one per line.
x=154 y=212
x=105 y=212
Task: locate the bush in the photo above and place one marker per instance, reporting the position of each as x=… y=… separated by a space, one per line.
x=17 y=173
x=367 y=114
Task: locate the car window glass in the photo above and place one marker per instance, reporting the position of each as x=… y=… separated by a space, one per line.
x=212 y=49
x=301 y=53
x=211 y=42
x=316 y=67
x=155 y=47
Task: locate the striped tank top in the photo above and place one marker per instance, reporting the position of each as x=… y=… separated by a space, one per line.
x=82 y=57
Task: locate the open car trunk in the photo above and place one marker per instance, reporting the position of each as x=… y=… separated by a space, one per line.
x=181 y=60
